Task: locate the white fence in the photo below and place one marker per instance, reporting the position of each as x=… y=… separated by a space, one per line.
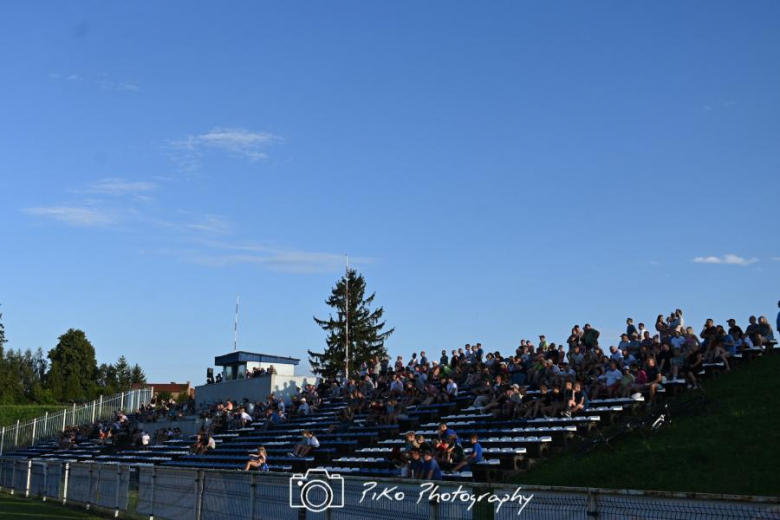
x=47 y=427
x=190 y=494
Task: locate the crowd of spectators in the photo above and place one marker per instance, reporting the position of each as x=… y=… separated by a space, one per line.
x=539 y=379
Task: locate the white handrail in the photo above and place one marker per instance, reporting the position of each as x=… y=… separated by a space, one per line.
x=50 y=425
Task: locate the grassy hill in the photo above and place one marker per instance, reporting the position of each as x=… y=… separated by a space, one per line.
x=9 y=414
x=15 y=508
x=734 y=448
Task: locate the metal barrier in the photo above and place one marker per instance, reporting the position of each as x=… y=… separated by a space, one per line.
x=49 y=425
x=191 y=494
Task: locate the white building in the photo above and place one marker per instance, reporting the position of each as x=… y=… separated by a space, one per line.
x=236 y=387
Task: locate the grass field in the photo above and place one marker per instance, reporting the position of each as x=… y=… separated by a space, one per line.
x=9 y=414
x=15 y=508
x=733 y=449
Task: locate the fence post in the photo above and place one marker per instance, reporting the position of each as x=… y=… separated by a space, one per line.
x=35 y=426
x=2 y=440
x=46 y=424
x=16 y=435
x=29 y=476
x=100 y=413
x=64 y=418
x=118 y=485
x=201 y=476
x=13 y=477
x=593 y=507
x=252 y=485
x=65 y=485
x=45 y=480
x=122 y=402
x=151 y=493
x=73 y=415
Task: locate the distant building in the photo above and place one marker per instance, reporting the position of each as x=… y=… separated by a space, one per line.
x=175 y=389
x=268 y=374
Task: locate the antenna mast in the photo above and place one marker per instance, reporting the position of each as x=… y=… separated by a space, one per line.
x=235 y=327
x=346 y=322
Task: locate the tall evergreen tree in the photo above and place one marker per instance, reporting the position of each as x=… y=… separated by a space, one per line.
x=123 y=374
x=137 y=376
x=74 y=356
x=366 y=334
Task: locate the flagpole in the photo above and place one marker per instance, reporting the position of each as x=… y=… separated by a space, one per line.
x=346 y=326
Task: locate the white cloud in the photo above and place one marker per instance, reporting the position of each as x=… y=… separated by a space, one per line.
x=75 y=215
x=102 y=83
x=725 y=259
x=275 y=258
x=211 y=224
x=237 y=142
x=118 y=186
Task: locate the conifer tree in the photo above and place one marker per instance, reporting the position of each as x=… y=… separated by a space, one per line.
x=366 y=335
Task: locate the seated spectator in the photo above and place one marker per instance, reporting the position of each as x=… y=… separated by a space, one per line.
x=430 y=468
x=473 y=458
x=257 y=461
x=609 y=382
x=307 y=444
x=578 y=401
x=414 y=468
x=692 y=366
x=244 y=418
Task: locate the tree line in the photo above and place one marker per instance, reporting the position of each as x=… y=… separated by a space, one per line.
x=67 y=373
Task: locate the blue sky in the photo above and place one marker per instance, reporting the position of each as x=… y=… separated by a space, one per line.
x=496 y=171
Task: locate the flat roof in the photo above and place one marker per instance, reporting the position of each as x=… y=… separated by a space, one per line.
x=241 y=357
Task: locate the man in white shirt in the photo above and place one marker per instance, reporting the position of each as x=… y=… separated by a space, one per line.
x=304 y=408
x=611 y=379
x=244 y=418
x=452 y=388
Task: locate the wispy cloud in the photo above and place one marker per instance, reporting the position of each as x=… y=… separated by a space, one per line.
x=236 y=142
x=270 y=256
x=725 y=259
x=83 y=216
x=211 y=224
x=103 y=83
x=289 y=261
x=119 y=186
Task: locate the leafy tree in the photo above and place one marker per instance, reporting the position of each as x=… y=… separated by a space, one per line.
x=366 y=334
x=74 y=356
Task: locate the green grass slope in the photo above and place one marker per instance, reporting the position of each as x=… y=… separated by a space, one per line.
x=9 y=414
x=732 y=449
x=15 y=508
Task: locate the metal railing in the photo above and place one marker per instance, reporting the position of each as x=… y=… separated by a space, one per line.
x=202 y=494
x=47 y=427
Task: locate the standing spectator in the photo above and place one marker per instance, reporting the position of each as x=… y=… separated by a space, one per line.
x=590 y=337
x=630 y=329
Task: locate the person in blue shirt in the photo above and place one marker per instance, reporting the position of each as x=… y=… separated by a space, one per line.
x=415 y=464
x=475 y=457
x=430 y=468
x=445 y=433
